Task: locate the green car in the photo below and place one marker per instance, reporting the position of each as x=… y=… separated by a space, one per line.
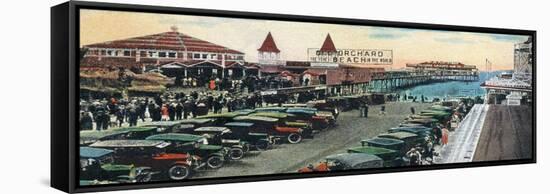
x=218 y=136
x=220 y=119
x=411 y=140
x=388 y=143
x=391 y=157
x=97 y=167
x=243 y=131
x=139 y=132
x=214 y=155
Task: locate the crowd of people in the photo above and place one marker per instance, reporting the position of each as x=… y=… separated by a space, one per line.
x=170 y=106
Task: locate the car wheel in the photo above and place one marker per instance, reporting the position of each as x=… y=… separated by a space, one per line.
x=262 y=145
x=236 y=153
x=179 y=172
x=246 y=147
x=294 y=138
x=144 y=178
x=214 y=162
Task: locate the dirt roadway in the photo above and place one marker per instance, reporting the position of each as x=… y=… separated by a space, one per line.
x=507 y=134
x=350 y=130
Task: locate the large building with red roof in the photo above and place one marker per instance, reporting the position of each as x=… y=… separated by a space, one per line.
x=173 y=52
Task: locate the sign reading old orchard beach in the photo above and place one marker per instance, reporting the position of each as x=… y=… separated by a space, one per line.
x=353 y=56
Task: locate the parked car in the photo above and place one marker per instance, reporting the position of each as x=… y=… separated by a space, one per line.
x=140 y=132
x=217 y=136
x=345 y=161
x=213 y=155
x=153 y=154
x=220 y=119
x=97 y=166
x=192 y=123
x=391 y=157
x=318 y=120
x=275 y=127
x=89 y=137
x=289 y=120
x=388 y=143
x=411 y=140
x=164 y=126
x=242 y=131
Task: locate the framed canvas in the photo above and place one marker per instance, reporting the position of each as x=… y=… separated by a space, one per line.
x=146 y=96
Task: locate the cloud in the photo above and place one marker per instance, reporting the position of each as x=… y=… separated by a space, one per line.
x=454 y=40
x=508 y=38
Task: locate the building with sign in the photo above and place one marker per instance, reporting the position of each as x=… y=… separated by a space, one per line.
x=314 y=72
x=172 y=52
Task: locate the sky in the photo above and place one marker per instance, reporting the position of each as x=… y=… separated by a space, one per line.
x=294 y=38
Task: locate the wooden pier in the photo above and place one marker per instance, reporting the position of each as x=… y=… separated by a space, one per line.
x=423 y=73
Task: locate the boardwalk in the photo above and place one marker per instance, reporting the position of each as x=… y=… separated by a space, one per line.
x=507 y=134
x=464 y=140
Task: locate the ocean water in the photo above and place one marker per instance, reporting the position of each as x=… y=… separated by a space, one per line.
x=452 y=88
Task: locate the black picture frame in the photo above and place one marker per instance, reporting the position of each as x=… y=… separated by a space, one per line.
x=64 y=91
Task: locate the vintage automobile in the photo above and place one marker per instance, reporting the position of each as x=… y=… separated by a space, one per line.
x=165 y=126
x=391 y=157
x=417 y=116
x=89 y=137
x=217 y=136
x=140 y=132
x=242 y=131
x=213 y=155
x=323 y=105
x=411 y=140
x=97 y=166
x=271 y=109
x=275 y=127
x=318 y=120
x=345 y=161
x=388 y=143
x=187 y=125
x=441 y=108
x=220 y=119
x=423 y=122
x=288 y=119
x=153 y=154
x=439 y=115
x=420 y=131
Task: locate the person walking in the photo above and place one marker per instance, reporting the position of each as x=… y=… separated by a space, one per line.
x=383 y=110
x=412 y=110
x=120 y=116
x=172 y=111
x=164 y=112
x=366 y=110
x=179 y=110
x=86 y=121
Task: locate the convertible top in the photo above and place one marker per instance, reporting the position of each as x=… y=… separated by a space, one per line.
x=271 y=109
x=354 y=160
x=163 y=123
x=239 y=124
x=383 y=141
x=415 y=130
x=88 y=152
x=277 y=115
x=195 y=121
x=181 y=137
x=211 y=129
x=135 y=129
x=255 y=118
x=98 y=135
x=222 y=115
x=398 y=135
x=130 y=143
